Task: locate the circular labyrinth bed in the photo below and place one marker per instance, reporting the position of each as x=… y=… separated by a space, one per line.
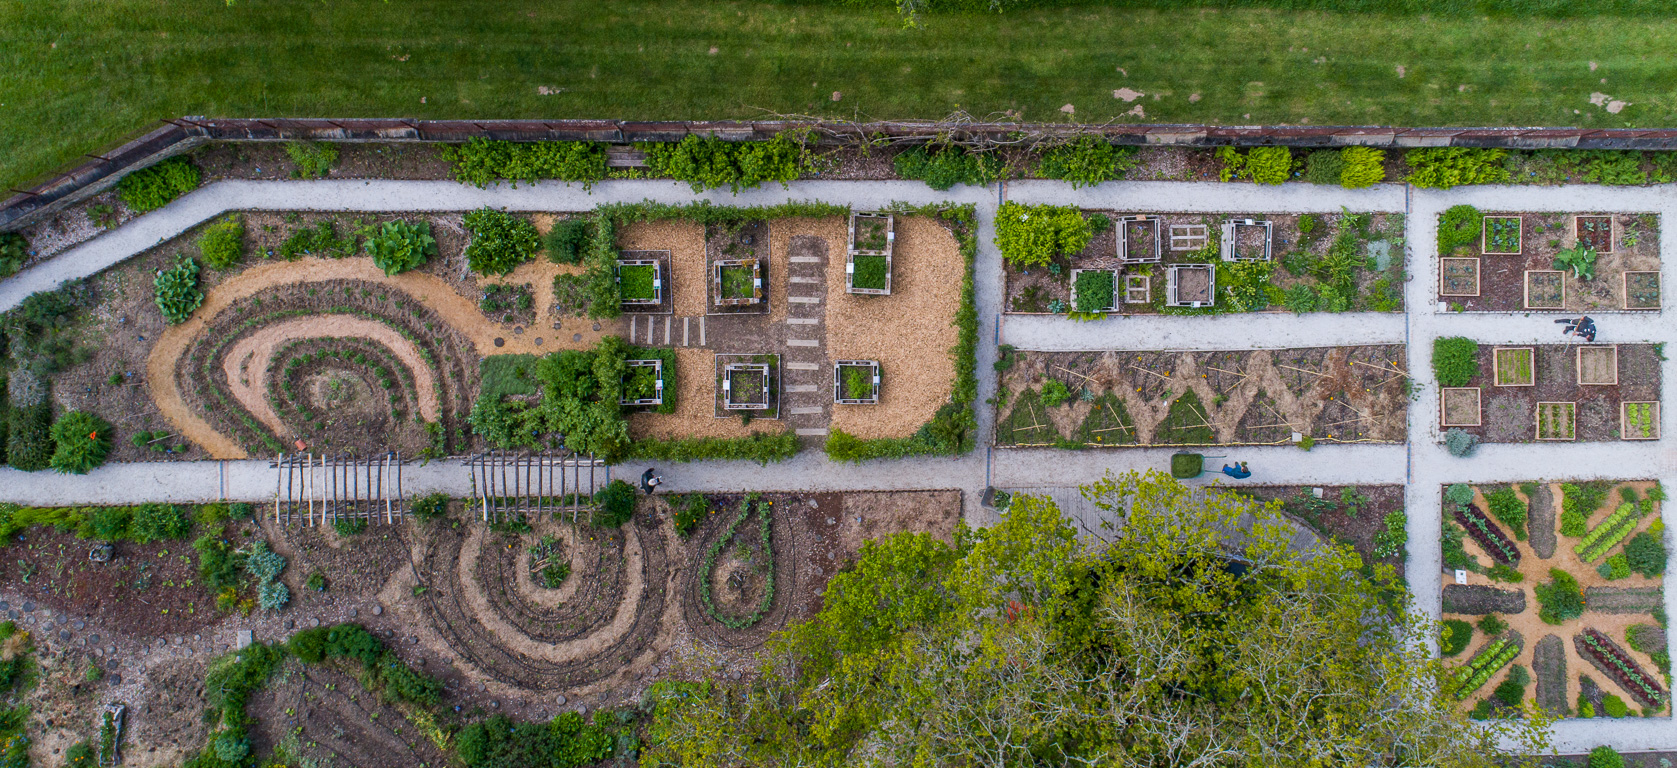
x=607 y=613
x=343 y=365
x=741 y=578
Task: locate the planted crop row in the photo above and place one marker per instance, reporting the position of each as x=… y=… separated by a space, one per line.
x=1477 y=672
x=1631 y=677
x=1608 y=534
x=765 y=517
x=1640 y=419
x=1490 y=537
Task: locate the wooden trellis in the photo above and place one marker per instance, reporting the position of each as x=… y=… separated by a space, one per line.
x=510 y=485
x=320 y=490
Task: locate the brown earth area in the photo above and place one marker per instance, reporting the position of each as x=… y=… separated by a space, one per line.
x=1509 y=414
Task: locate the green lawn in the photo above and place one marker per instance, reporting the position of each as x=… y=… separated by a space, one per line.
x=77 y=76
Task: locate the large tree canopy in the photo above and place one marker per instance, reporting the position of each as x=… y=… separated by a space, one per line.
x=1160 y=640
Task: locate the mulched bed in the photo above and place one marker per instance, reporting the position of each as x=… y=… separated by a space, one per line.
x=1331 y=518
x=789 y=514
x=1624 y=599
x=1548 y=667
x=1502 y=286
x=1509 y=413
x=749 y=240
x=1540 y=523
x=1477 y=599
x=330 y=717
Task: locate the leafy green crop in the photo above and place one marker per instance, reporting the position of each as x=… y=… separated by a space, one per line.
x=1095 y=289
x=500 y=241
x=1264 y=165
x=1087 y=161
x=177 y=293
x=399 y=246
x=151 y=188
x=1446 y=167
x=1032 y=235
x=944 y=168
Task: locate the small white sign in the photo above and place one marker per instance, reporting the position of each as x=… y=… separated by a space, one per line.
x=1461 y=576
x=1317 y=492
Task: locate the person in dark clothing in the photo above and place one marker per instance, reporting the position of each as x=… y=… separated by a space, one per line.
x=1582 y=327
x=1238 y=471
x=650 y=481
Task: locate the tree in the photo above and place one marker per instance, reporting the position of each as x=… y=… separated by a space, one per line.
x=1154 y=638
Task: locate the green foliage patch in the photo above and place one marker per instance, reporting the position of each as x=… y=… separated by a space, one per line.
x=500 y=241
x=707 y=162
x=398 y=246
x=481 y=162
x=1087 y=161
x=943 y=168
x=177 y=293
x=223 y=242
x=154 y=187
x=1032 y=235
x=81 y=441
x=1455 y=360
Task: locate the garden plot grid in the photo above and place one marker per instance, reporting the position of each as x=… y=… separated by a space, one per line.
x=1573 y=261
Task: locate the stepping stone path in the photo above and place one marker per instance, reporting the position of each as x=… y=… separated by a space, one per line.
x=806 y=372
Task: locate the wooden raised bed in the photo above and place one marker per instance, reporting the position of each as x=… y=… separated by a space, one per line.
x=1598 y=365
x=1642 y=290
x=1188 y=237
x=1138 y=289
x=1139 y=241
x=1190 y=285
x=745 y=386
x=847 y=392
x=657 y=397
x=1514 y=366
x=1594 y=231
x=657 y=297
x=745 y=292
x=1455 y=404
x=1235 y=231
x=1111 y=304
x=1557 y=421
x=1458 y=276
x=1493 y=238
x=1639 y=421
x=1545 y=289
x=873 y=238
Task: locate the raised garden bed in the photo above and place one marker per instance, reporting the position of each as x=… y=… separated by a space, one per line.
x=1500 y=236
x=872 y=239
x=1190 y=285
x=856 y=382
x=1247 y=240
x=1639 y=421
x=1188 y=237
x=1514 y=366
x=1459 y=407
x=1598 y=365
x=1094 y=290
x=748 y=385
x=1510 y=414
x=737 y=282
x=643 y=383
x=1458 y=277
x=1138 y=289
x=1557 y=421
x=1517 y=245
x=640 y=281
x=1642 y=290
x=1139 y=241
x=737 y=268
x=1594 y=231
x=1545 y=289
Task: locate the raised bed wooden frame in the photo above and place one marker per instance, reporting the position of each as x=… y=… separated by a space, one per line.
x=1497 y=371
x=657 y=367
x=838 y=382
x=1188 y=237
x=1172 y=285
x=1138 y=289
x=1122 y=226
x=748 y=400
x=1531 y=273
x=1110 y=308
x=1597 y=350
x=756 y=267
x=1444 y=396
x=1612 y=229
x=1624 y=420
x=1567 y=407
x=1485 y=236
x=1445 y=261
x=657 y=282
x=1231 y=232
x=852 y=251
x=1624 y=285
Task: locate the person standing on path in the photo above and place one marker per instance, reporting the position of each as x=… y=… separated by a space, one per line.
x=650 y=481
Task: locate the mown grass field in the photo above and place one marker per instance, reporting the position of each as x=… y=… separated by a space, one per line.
x=79 y=75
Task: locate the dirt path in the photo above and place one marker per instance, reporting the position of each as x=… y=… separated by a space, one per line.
x=247 y=363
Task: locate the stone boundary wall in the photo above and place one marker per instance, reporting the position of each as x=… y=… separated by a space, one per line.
x=178 y=136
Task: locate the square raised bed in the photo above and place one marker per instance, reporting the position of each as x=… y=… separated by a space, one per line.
x=868 y=274
x=1501 y=235
x=1557 y=421
x=1595 y=232
x=1639 y=421
x=1094 y=290
x=746 y=386
x=1138 y=289
x=872 y=233
x=867 y=269
x=1598 y=365
x=1459 y=407
x=640 y=281
x=856 y=382
x=643 y=383
x=1138 y=240
x=1188 y=237
x=1458 y=276
x=1190 y=285
x=1247 y=240
x=1642 y=290
x=1513 y=366
x=737 y=282
x=1545 y=289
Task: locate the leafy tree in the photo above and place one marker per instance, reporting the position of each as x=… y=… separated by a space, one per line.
x=1152 y=639
x=81 y=441
x=399 y=246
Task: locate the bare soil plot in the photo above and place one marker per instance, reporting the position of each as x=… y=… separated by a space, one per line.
x=1563 y=667
x=1510 y=411
x=1107 y=399
x=1347 y=514
x=1512 y=246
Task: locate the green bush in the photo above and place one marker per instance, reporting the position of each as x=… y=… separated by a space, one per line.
x=1054 y=392
x=1186 y=465
x=1264 y=165
x=219 y=565
x=500 y=241
x=692 y=511
x=1087 y=161
x=1446 y=167
x=223 y=242
x=567 y=741
x=761 y=447
x=1324 y=166
x=151 y=188
x=1574 y=524
x=430 y=508
x=944 y=168
x=567 y=241
x=1459 y=225
x=1560 y=598
x=1613 y=706
x=1095 y=290
x=1460 y=443
x=14 y=251
x=81 y=441
x=1032 y=235
x=614 y=504
x=1645 y=554
x=177 y=293
x=707 y=162
x=1454 y=637
x=313 y=160
x=404 y=683
x=110 y=523
x=1364 y=167
x=157 y=522
x=264 y=564
x=350 y=526
x=272 y=596
x=1492 y=625
x=482 y=161
x=1509 y=693
x=1616 y=567
x=399 y=246
x=1455 y=361
x=1606 y=757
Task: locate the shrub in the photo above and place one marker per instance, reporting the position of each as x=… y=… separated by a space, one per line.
x=177 y=290
x=109 y=523
x=1454 y=637
x=1324 y=166
x=231 y=746
x=1509 y=693
x=1032 y=235
x=14 y=251
x=1087 y=161
x=706 y=162
x=399 y=246
x=1455 y=361
x=1613 y=706
x=404 y=683
x=1054 y=392
x=157 y=522
x=430 y=508
x=313 y=160
x=1460 y=443
x=272 y=596
x=223 y=242
x=1507 y=507
x=81 y=441
x=1264 y=165
x=263 y=563
x=1561 y=598
x=1573 y=523
x=219 y=565
x=1186 y=465
x=29 y=444
x=692 y=511
x=614 y=504
x=481 y=161
x=500 y=241
x=945 y=168
x=1364 y=167
x=1617 y=567
x=151 y=188
x=1645 y=554
x=1446 y=167
x=1459 y=494
x=350 y=526
x=1095 y=289
x=1301 y=298
x=567 y=241
x=1492 y=625
x=1458 y=226
x=1606 y=757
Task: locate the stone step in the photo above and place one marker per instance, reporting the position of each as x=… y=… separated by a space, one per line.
x=804 y=299
x=806 y=411
x=802 y=343
x=802 y=321
x=805 y=259
x=809 y=280
x=797 y=388
x=802 y=367
x=811 y=432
